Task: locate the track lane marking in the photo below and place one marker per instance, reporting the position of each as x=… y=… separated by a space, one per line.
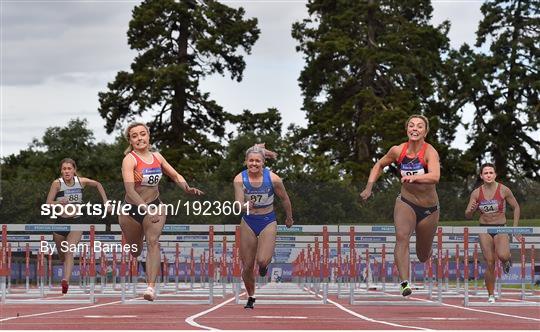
x=191 y=319
x=59 y=311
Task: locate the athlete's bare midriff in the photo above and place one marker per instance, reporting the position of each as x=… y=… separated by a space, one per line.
x=148 y=194
x=424 y=195
x=498 y=218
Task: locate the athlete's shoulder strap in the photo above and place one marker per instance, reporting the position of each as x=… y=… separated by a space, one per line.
x=403 y=152
x=481 y=194
x=422 y=153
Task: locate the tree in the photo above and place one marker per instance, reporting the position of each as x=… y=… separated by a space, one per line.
x=504 y=90
x=179 y=43
x=369 y=64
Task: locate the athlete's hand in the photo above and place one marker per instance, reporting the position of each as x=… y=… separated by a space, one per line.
x=154 y=219
x=194 y=191
x=267 y=153
x=289 y=222
x=63 y=200
x=408 y=179
x=518 y=237
x=474 y=206
x=364 y=195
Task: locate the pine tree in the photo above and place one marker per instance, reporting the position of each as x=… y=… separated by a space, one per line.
x=370 y=64
x=505 y=93
x=178 y=44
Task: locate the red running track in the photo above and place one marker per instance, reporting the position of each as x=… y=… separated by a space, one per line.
x=226 y=315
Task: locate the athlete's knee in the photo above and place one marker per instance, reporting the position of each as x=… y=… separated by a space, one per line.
x=504 y=256
x=403 y=238
x=423 y=257
x=490 y=264
x=136 y=250
x=152 y=243
x=263 y=262
x=247 y=266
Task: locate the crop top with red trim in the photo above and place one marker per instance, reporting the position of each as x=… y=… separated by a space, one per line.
x=150 y=173
x=412 y=166
x=497 y=204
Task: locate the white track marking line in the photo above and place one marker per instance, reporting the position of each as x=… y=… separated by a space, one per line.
x=478 y=310
x=191 y=319
x=370 y=319
x=110 y=316
x=281 y=317
x=59 y=311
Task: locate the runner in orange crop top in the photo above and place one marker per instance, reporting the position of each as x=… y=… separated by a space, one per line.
x=141 y=172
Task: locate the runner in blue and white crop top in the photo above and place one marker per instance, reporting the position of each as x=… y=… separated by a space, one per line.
x=262 y=196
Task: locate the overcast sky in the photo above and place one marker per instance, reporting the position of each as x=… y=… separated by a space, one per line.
x=57 y=55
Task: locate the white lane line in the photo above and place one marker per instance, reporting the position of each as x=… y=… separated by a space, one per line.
x=374 y=320
x=478 y=310
x=281 y=317
x=58 y=311
x=370 y=319
x=191 y=319
x=110 y=316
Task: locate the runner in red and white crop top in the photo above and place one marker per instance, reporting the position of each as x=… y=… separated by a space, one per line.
x=416 y=209
x=490 y=199
x=497 y=204
x=141 y=172
x=147 y=174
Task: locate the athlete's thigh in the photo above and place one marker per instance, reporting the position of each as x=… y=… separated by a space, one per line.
x=488 y=246
x=248 y=244
x=57 y=238
x=404 y=219
x=131 y=229
x=74 y=237
x=267 y=242
x=502 y=244
x=425 y=231
x=152 y=230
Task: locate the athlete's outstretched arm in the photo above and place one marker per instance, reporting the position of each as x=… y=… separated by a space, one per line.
x=377 y=170
x=176 y=177
x=281 y=192
x=473 y=204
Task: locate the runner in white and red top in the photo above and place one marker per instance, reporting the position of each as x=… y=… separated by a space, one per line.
x=490 y=200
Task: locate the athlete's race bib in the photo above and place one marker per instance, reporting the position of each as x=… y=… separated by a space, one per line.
x=412 y=169
x=73 y=195
x=151 y=177
x=260 y=199
x=489 y=206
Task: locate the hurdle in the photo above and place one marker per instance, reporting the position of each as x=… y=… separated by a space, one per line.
x=353 y=264
x=177 y=296
x=499 y=230
x=40 y=228
x=310 y=268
